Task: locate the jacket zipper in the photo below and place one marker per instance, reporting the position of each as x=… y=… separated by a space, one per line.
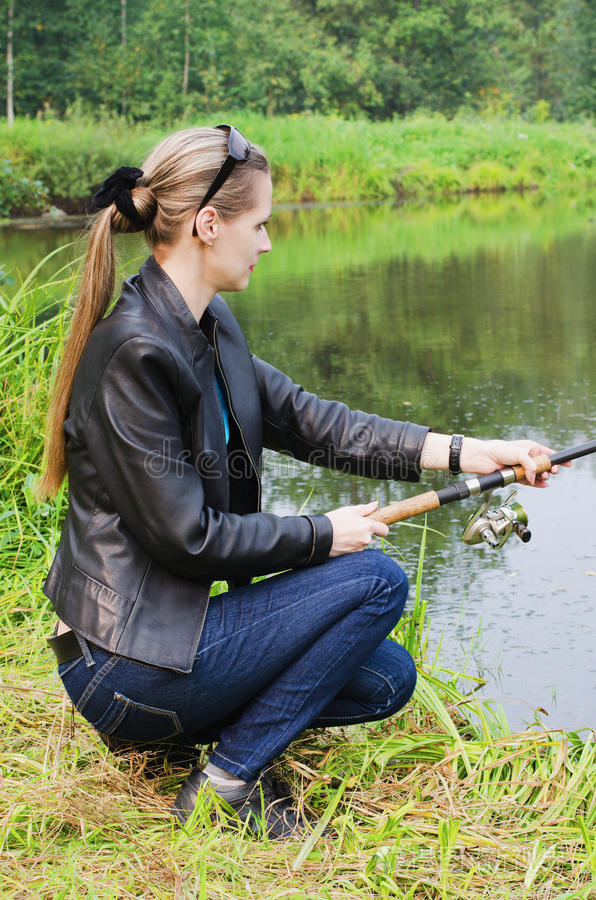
x=231 y=408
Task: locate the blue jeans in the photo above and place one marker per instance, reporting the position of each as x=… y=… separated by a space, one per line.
x=301 y=649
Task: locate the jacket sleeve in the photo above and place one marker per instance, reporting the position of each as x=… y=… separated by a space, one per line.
x=328 y=433
x=134 y=438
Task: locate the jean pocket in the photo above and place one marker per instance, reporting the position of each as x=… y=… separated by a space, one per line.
x=127 y=720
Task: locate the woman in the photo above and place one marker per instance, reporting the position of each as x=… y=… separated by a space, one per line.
x=159 y=415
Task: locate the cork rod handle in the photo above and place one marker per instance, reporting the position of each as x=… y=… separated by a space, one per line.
x=421 y=503
x=405 y=509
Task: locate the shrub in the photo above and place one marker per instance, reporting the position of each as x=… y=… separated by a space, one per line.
x=488 y=176
x=20 y=194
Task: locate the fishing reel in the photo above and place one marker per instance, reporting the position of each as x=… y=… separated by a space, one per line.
x=495 y=526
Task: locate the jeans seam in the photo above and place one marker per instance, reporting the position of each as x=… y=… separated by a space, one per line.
x=380 y=675
x=95 y=682
x=240 y=630
x=119 y=717
x=71 y=665
x=354 y=720
x=374 y=710
x=146 y=665
x=268 y=748
x=220 y=755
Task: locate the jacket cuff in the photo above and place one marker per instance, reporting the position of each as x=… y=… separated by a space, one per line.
x=322 y=539
x=409 y=450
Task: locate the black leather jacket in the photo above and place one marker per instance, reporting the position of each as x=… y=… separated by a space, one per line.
x=159 y=505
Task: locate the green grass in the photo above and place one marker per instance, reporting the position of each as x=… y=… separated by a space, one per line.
x=317 y=158
x=442 y=801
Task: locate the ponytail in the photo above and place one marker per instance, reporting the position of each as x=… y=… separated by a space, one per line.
x=95 y=293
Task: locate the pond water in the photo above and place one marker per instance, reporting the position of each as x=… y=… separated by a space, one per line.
x=476 y=317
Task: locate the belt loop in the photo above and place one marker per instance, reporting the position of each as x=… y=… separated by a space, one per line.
x=89 y=661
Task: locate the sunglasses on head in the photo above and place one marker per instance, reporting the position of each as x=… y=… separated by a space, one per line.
x=238 y=151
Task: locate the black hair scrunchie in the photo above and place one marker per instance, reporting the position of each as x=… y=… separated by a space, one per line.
x=116 y=189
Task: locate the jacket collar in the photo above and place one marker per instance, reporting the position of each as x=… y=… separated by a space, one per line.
x=162 y=294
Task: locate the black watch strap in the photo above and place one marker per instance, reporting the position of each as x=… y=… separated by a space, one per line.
x=455 y=453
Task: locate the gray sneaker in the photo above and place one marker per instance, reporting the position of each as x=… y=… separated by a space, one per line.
x=266 y=804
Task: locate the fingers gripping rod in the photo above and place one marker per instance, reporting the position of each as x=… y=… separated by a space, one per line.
x=471 y=487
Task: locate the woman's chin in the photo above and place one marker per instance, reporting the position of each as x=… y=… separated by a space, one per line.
x=238 y=284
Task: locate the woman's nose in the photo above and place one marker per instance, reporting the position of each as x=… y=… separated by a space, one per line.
x=265 y=244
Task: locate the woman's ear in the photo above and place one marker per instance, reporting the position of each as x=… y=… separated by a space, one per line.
x=206 y=224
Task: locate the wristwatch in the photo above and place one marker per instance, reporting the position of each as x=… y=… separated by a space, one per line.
x=455 y=453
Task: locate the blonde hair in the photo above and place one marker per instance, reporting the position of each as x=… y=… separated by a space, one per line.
x=176 y=177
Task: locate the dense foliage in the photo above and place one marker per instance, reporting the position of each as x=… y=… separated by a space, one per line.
x=317 y=158
x=152 y=59
x=19 y=192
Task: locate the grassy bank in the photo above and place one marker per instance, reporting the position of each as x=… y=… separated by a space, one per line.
x=313 y=158
x=439 y=802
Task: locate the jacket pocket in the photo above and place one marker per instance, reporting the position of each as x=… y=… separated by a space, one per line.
x=127 y=720
x=99 y=612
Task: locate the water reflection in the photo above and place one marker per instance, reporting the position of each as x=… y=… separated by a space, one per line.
x=477 y=317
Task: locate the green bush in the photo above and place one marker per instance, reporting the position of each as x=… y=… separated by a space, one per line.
x=72 y=157
x=427 y=178
x=19 y=193
x=489 y=176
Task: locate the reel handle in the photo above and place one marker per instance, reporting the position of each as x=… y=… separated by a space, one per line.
x=522 y=531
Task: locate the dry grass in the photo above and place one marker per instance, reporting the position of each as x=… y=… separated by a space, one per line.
x=78 y=821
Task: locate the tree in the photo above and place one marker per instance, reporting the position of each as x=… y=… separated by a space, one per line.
x=123 y=49
x=573 y=59
x=9 y=66
x=186 y=48
x=169 y=59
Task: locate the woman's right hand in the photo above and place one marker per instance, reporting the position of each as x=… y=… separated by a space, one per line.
x=352 y=530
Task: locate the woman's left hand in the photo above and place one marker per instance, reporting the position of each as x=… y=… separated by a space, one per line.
x=483 y=457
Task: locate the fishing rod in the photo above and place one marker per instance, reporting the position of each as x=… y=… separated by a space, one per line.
x=491 y=526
